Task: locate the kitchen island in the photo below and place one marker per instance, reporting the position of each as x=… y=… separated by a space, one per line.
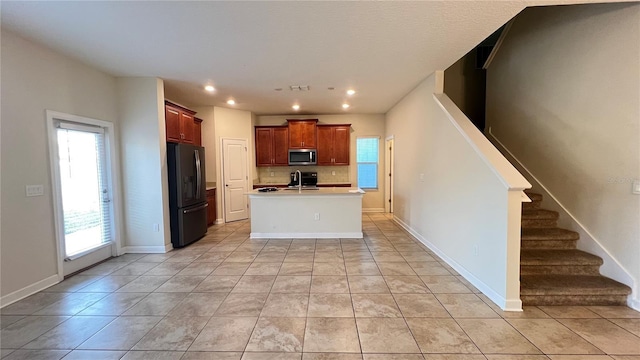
x=306 y=214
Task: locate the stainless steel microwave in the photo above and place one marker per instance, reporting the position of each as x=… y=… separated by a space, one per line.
x=302 y=157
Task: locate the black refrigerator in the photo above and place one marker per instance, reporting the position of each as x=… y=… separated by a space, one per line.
x=187 y=193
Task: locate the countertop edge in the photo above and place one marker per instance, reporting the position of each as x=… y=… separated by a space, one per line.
x=321 y=191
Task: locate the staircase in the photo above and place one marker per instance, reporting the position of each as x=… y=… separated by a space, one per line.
x=553 y=271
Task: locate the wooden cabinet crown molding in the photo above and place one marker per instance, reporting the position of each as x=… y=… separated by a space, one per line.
x=179 y=107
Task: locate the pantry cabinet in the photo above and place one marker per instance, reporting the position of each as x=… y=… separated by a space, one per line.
x=272 y=145
x=302 y=134
x=334 y=144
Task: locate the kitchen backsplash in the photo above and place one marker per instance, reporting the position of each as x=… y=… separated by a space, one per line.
x=281 y=174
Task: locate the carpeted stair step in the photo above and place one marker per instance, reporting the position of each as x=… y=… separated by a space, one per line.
x=559 y=262
x=548 y=238
x=536 y=200
x=539 y=218
x=572 y=290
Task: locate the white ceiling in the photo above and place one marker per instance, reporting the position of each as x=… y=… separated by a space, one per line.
x=247 y=49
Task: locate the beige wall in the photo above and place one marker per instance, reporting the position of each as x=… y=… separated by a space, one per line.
x=208 y=140
x=451 y=190
x=563 y=95
x=144 y=164
x=361 y=125
x=35 y=79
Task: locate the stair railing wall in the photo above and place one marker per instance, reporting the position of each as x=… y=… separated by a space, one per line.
x=588 y=242
x=456 y=193
x=514 y=184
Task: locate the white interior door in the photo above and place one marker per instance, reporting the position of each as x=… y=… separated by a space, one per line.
x=388 y=169
x=236 y=180
x=82 y=191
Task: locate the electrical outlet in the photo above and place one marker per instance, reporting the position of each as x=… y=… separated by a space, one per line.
x=34 y=190
x=421 y=177
x=333 y=173
x=636 y=187
x=316 y=216
x=156 y=227
x=272 y=174
x=476 y=250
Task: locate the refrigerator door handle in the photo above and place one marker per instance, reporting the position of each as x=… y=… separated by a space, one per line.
x=198 y=175
x=196 y=209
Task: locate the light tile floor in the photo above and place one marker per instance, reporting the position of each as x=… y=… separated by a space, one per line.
x=228 y=297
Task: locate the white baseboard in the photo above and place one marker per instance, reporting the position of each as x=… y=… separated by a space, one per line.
x=373 y=210
x=219 y=221
x=588 y=242
x=349 y=235
x=148 y=249
x=503 y=303
x=633 y=303
x=28 y=290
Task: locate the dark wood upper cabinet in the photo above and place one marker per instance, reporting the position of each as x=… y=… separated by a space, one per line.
x=272 y=146
x=325 y=145
x=180 y=124
x=334 y=144
x=341 y=144
x=331 y=141
x=302 y=134
x=281 y=146
x=172 y=119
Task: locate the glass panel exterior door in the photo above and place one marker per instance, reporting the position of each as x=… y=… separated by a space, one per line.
x=85 y=195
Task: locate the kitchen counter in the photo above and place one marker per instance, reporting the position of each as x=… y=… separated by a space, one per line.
x=331 y=212
x=315 y=192
x=255 y=186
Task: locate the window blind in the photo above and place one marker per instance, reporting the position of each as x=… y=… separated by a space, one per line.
x=367 y=149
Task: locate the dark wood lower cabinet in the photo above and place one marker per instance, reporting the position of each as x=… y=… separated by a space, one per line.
x=211 y=212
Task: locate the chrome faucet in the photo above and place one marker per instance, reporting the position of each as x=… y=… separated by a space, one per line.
x=299 y=175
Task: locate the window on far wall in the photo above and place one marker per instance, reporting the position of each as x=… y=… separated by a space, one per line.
x=367 y=149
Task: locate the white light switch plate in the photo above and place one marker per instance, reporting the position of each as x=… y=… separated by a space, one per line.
x=34 y=190
x=636 y=187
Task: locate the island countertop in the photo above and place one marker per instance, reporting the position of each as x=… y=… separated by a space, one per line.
x=315 y=192
x=326 y=213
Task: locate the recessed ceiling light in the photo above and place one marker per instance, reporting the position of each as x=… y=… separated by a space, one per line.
x=345 y=106
x=210 y=88
x=296 y=107
x=231 y=102
x=278 y=89
x=351 y=92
